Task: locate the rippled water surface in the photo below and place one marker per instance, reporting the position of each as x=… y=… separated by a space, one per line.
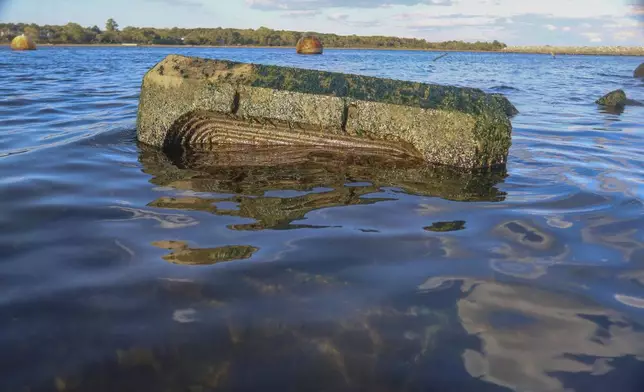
x=125 y=269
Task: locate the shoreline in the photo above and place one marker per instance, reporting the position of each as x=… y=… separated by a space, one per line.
x=544 y=50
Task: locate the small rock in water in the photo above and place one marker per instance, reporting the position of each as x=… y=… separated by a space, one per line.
x=309 y=45
x=23 y=42
x=615 y=98
x=639 y=71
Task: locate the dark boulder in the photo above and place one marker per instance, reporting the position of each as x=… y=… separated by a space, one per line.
x=615 y=98
x=616 y=101
x=639 y=71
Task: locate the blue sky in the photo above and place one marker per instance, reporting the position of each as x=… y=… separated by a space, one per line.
x=516 y=22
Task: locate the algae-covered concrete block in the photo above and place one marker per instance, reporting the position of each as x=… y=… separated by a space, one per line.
x=425 y=129
x=317 y=111
x=186 y=100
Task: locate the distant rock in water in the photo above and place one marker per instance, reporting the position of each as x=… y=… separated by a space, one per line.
x=639 y=71
x=309 y=45
x=615 y=98
x=23 y=42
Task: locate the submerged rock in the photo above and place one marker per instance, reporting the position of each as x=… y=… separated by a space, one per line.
x=309 y=45
x=194 y=101
x=615 y=98
x=639 y=71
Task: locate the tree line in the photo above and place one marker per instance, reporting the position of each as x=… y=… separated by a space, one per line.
x=73 y=33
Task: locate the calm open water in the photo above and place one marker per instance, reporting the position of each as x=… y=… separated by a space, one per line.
x=123 y=269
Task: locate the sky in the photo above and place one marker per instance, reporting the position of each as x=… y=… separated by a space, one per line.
x=515 y=22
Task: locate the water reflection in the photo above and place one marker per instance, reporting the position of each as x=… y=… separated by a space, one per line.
x=166 y=221
x=321 y=179
x=446 y=226
x=537 y=340
x=526 y=250
x=183 y=254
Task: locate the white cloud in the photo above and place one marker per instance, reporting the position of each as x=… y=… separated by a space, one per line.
x=425 y=22
x=347 y=20
x=496 y=8
x=624 y=35
x=620 y=23
x=301 y=14
x=593 y=37
x=271 y=5
x=511 y=21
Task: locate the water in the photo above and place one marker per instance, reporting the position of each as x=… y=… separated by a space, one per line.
x=124 y=269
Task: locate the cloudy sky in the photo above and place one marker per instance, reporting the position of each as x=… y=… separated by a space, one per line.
x=516 y=22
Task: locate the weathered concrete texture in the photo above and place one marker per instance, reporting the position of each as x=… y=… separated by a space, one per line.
x=319 y=110
x=196 y=101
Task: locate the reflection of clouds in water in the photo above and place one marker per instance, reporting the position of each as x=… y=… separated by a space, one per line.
x=624 y=182
x=623 y=235
x=527 y=251
x=184 y=316
x=558 y=222
x=428 y=209
x=524 y=270
x=529 y=335
x=636 y=276
x=635 y=302
x=454 y=248
x=166 y=221
x=437 y=283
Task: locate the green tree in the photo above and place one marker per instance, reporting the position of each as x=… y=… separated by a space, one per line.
x=75 y=34
x=33 y=31
x=111 y=25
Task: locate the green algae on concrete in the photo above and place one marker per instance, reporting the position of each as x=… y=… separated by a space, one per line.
x=186 y=100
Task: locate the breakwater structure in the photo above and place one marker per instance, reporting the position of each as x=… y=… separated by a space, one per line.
x=189 y=101
x=577 y=50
